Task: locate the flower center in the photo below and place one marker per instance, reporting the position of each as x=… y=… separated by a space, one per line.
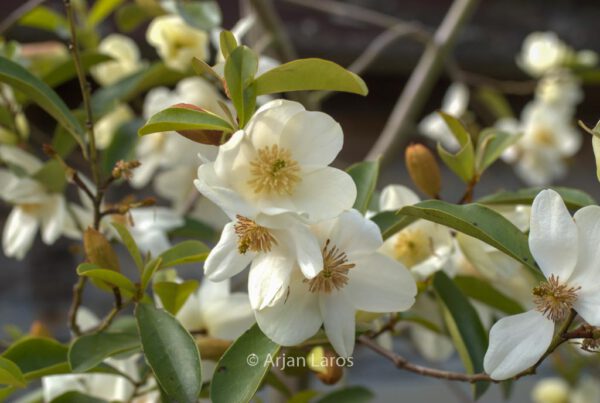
x=334 y=273
x=412 y=246
x=274 y=171
x=30 y=208
x=554 y=299
x=543 y=136
x=252 y=237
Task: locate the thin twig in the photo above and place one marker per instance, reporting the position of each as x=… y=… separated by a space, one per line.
x=16 y=15
x=420 y=83
x=75 y=304
x=272 y=24
x=510 y=87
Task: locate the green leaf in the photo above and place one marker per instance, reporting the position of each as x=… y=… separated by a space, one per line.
x=111 y=277
x=483 y=291
x=365 y=175
x=100 y=10
x=65 y=71
x=309 y=74
x=492 y=143
x=89 y=351
x=573 y=198
x=193 y=228
x=202 y=68
x=52 y=176
x=305 y=396
x=464 y=326
x=227 y=43
x=20 y=79
x=173 y=295
x=389 y=222
x=171 y=352
x=107 y=98
x=204 y=15
x=462 y=163
x=185 y=119
x=130 y=244
x=149 y=270
x=240 y=68
x=495 y=102
x=184 y=252
x=45 y=18
x=77 y=397
x=38 y=356
x=236 y=380
x=10 y=374
x=130 y=16
x=122 y=146
x=351 y=394
x=477 y=221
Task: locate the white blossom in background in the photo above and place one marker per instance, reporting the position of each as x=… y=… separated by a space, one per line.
x=106 y=127
x=149 y=227
x=542 y=52
x=177 y=42
x=222 y=314
x=34 y=207
x=558 y=390
x=560 y=89
x=433 y=346
x=455 y=103
x=279 y=164
x=354 y=276
x=548 y=139
x=125 y=59
x=423 y=247
x=566 y=251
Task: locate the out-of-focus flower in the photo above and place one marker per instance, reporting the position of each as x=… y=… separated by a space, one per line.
x=551 y=390
x=565 y=249
x=176 y=42
x=559 y=89
x=106 y=127
x=218 y=312
x=432 y=345
x=279 y=164
x=34 y=205
x=354 y=277
x=149 y=227
x=548 y=139
x=126 y=59
x=542 y=52
x=455 y=103
x=423 y=247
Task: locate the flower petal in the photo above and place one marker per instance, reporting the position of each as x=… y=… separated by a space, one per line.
x=339 y=321
x=394 y=197
x=516 y=343
x=380 y=284
x=553 y=235
x=351 y=233
x=303 y=243
x=268 y=279
x=227 y=318
x=224 y=260
x=19 y=233
x=53 y=217
x=267 y=125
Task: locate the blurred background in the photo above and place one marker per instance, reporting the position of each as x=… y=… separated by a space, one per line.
x=39 y=287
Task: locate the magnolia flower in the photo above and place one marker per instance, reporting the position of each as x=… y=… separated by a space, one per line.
x=176 y=42
x=566 y=251
x=149 y=227
x=548 y=139
x=125 y=59
x=279 y=164
x=455 y=103
x=542 y=52
x=423 y=247
x=157 y=150
x=216 y=311
x=106 y=127
x=33 y=205
x=354 y=277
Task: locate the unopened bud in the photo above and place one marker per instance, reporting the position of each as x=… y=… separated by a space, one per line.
x=212 y=349
x=326 y=364
x=123 y=169
x=38 y=329
x=423 y=169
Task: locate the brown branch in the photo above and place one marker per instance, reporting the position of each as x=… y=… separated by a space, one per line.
x=75 y=304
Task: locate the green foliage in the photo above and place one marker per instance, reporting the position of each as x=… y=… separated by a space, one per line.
x=171 y=352
x=204 y=15
x=38 y=356
x=100 y=10
x=122 y=145
x=573 y=198
x=52 y=176
x=351 y=394
x=240 y=68
x=89 y=351
x=365 y=175
x=173 y=295
x=77 y=397
x=490 y=146
x=10 y=374
x=130 y=244
x=65 y=71
x=483 y=291
x=469 y=336
x=183 y=253
x=227 y=43
x=462 y=163
x=237 y=377
x=42 y=17
x=106 y=276
x=309 y=74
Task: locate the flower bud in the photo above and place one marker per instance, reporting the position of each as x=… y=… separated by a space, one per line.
x=326 y=364
x=212 y=349
x=423 y=169
x=38 y=329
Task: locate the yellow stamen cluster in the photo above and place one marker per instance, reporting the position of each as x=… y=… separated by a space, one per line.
x=543 y=136
x=554 y=299
x=335 y=271
x=252 y=237
x=274 y=171
x=412 y=246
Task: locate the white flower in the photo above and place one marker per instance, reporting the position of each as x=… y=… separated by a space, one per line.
x=560 y=89
x=176 y=42
x=542 y=52
x=354 y=277
x=455 y=103
x=33 y=205
x=551 y=390
x=423 y=247
x=106 y=127
x=126 y=59
x=279 y=164
x=548 y=139
x=150 y=226
x=566 y=251
x=214 y=309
